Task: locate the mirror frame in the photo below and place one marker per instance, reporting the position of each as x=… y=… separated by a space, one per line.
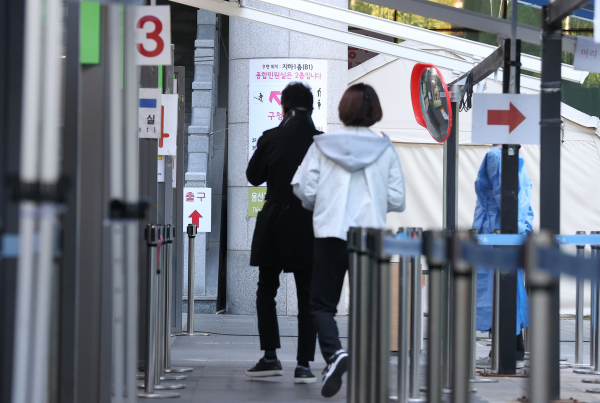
x=415 y=88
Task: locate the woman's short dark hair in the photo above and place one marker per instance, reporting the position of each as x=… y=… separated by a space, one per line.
x=360 y=106
x=296 y=95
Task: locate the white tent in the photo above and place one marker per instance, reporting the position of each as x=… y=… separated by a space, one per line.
x=422 y=159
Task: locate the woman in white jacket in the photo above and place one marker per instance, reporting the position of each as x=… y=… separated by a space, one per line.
x=350 y=178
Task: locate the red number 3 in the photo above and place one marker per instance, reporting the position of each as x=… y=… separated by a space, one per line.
x=154 y=35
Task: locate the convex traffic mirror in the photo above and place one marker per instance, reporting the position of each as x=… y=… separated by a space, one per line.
x=431 y=101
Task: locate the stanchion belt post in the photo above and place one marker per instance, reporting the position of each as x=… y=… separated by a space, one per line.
x=415 y=323
x=160 y=306
x=434 y=354
x=596 y=313
x=473 y=324
x=192 y=231
x=462 y=279
x=541 y=285
x=170 y=237
x=365 y=320
x=579 y=310
x=403 y=326
x=380 y=334
x=353 y=320
x=496 y=321
x=151 y=235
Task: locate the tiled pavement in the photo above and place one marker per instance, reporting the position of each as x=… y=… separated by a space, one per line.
x=221 y=358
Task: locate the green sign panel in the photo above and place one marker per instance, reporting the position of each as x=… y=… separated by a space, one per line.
x=256 y=200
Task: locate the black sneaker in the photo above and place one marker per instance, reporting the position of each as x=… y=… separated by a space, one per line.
x=264 y=368
x=332 y=374
x=303 y=375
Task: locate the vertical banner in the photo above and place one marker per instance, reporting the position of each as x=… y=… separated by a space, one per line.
x=268 y=78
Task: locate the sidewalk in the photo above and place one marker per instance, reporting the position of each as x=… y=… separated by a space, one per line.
x=221 y=358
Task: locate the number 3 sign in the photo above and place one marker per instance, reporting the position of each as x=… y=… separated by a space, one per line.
x=153 y=38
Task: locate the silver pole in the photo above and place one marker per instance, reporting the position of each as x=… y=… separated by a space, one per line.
x=152 y=235
x=353 y=341
x=496 y=323
x=462 y=320
x=192 y=230
x=579 y=310
x=131 y=88
x=403 y=328
x=594 y=331
x=49 y=176
x=365 y=320
x=115 y=65
x=541 y=284
x=381 y=311
x=436 y=300
x=593 y=319
x=162 y=338
x=415 y=324
x=169 y=304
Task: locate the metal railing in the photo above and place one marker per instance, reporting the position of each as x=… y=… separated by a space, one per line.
x=458 y=252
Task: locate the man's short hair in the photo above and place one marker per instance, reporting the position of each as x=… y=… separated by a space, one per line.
x=296 y=95
x=360 y=106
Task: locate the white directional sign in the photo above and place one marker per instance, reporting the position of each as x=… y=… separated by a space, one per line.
x=149 y=115
x=197 y=208
x=506 y=119
x=153 y=35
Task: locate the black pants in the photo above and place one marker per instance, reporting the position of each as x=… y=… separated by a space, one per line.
x=268 y=329
x=330 y=262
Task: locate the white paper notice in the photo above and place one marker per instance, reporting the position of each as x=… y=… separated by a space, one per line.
x=167 y=143
x=197 y=208
x=587 y=55
x=149 y=113
x=268 y=78
x=161 y=170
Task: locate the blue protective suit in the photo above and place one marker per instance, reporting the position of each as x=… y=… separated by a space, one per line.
x=486 y=220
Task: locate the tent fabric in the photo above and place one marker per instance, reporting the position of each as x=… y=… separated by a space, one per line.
x=422 y=162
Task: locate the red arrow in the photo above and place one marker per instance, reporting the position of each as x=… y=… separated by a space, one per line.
x=275 y=94
x=511 y=118
x=196 y=218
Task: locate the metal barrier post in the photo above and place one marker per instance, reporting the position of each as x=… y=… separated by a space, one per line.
x=541 y=285
x=152 y=239
x=365 y=321
x=434 y=342
x=579 y=310
x=192 y=231
x=159 y=306
x=353 y=327
x=461 y=362
x=381 y=262
x=170 y=236
x=404 y=321
x=595 y=327
x=415 y=324
x=496 y=321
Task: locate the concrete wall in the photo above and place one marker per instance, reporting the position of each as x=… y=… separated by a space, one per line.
x=249 y=40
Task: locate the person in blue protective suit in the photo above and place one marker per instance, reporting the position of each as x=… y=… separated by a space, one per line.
x=486 y=220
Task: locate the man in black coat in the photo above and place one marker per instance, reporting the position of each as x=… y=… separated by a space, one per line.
x=283 y=238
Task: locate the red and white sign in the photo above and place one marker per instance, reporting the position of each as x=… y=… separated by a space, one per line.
x=153 y=36
x=197 y=208
x=506 y=119
x=167 y=142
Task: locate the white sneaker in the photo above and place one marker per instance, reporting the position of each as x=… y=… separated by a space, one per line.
x=332 y=374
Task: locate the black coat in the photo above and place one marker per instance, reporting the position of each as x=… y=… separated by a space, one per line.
x=283 y=236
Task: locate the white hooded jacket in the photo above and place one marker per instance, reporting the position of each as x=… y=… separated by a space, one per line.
x=350 y=178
